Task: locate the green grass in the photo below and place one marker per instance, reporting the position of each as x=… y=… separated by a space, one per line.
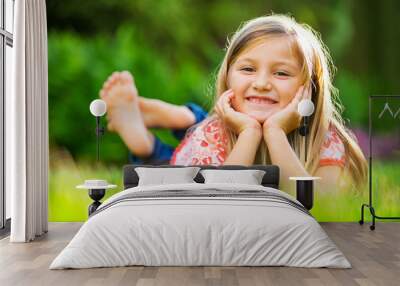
x=66 y=203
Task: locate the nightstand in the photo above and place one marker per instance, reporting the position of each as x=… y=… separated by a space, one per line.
x=305 y=190
x=96 y=190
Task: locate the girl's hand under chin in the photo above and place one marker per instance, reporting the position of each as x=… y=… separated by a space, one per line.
x=288 y=118
x=235 y=120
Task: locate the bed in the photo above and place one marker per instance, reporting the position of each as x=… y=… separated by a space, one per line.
x=201 y=223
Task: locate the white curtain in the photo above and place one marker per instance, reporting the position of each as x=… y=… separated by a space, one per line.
x=27 y=124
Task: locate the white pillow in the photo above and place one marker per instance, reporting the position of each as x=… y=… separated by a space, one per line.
x=163 y=176
x=249 y=177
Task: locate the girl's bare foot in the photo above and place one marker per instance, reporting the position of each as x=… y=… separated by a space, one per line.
x=155 y=112
x=124 y=115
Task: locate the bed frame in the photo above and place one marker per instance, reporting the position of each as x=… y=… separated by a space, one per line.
x=270 y=179
x=304 y=187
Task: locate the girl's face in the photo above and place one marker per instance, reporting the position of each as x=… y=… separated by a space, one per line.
x=265 y=77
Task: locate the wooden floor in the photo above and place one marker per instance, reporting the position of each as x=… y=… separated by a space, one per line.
x=374 y=255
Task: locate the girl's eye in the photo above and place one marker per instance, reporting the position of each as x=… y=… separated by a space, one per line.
x=247 y=69
x=281 y=73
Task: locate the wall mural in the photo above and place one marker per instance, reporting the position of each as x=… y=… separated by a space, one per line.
x=202 y=84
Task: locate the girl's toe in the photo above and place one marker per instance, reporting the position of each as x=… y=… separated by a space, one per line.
x=108 y=84
x=126 y=77
x=114 y=74
x=114 y=79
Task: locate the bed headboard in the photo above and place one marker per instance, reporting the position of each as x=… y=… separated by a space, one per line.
x=270 y=179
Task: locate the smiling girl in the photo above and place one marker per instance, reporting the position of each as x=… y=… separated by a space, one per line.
x=271 y=64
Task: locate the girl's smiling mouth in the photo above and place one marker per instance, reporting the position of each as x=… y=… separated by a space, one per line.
x=260 y=100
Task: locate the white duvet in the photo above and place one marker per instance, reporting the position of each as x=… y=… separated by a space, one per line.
x=200 y=231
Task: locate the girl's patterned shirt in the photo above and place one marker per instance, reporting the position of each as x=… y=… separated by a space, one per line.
x=206 y=144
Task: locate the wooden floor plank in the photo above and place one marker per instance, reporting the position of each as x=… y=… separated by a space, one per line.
x=374 y=255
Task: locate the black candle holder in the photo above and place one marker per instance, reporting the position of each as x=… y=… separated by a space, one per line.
x=305 y=190
x=305 y=193
x=96 y=195
x=96 y=190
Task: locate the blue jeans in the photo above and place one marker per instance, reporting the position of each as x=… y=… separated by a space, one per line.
x=162 y=152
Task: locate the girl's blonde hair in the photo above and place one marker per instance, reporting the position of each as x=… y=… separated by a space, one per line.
x=318 y=69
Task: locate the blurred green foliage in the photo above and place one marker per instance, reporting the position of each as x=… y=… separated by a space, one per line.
x=173 y=49
x=78 y=68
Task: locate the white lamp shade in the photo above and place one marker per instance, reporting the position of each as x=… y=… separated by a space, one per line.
x=305 y=107
x=98 y=107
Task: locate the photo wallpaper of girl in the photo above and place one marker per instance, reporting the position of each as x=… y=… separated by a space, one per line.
x=219 y=84
x=271 y=63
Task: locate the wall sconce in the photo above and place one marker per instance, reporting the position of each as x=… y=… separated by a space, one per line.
x=98 y=108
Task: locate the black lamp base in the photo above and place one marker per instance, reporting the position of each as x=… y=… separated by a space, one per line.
x=96 y=195
x=305 y=193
